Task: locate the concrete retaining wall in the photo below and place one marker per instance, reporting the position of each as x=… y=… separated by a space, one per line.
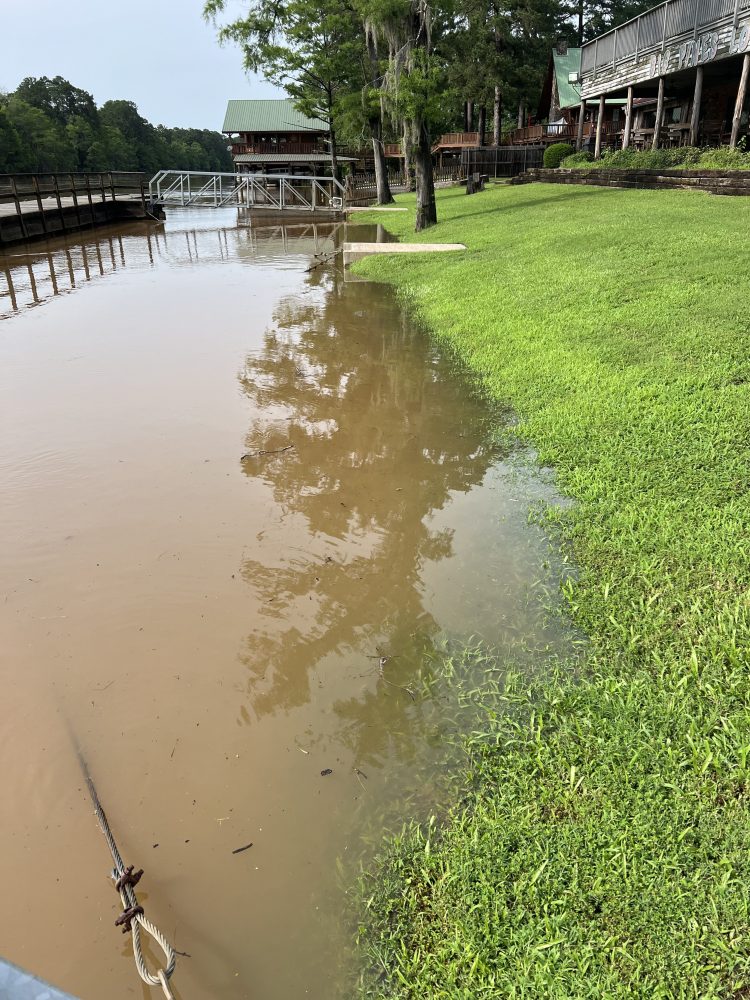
x=736 y=182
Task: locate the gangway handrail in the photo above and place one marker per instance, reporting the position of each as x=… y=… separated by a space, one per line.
x=211 y=191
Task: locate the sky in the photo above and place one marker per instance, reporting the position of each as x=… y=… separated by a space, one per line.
x=160 y=54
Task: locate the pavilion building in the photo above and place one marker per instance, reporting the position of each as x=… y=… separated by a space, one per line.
x=273 y=137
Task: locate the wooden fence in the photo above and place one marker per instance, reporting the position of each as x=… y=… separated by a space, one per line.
x=361 y=187
x=501 y=161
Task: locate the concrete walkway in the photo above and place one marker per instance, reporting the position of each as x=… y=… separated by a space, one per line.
x=356 y=251
x=376 y=208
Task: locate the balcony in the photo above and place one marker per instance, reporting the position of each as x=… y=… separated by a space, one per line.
x=678 y=34
x=274 y=147
x=539 y=135
x=456 y=140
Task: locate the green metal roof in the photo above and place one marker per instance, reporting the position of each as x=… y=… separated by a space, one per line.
x=564 y=66
x=268 y=116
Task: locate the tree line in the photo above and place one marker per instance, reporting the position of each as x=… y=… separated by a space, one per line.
x=49 y=125
x=406 y=70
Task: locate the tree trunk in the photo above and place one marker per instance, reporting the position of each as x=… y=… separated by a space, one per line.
x=382 y=186
x=408 y=156
x=521 y=107
x=469 y=120
x=497 y=111
x=482 y=124
x=335 y=169
x=580 y=22
x=426 y=208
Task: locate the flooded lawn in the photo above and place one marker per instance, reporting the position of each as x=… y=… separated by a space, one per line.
x=210 y=626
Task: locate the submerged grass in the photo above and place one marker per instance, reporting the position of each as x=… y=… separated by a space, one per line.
x=602 y=850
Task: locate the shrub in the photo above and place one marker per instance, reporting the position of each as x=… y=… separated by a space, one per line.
x=724 y=159
x=670 y=159
x=577 y=160
x=556 y=153
x=647 y=159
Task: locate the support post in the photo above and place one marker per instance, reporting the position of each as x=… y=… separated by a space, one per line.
x=581 y=115
x=53 y=276
x=739 y=103
x=695 y=117
x=91 y=203
x=599 y=125
x=659 y=114
x=74 y=194
x=60 y=208
x=628 y=120
x=41 y=208
x=17 y=201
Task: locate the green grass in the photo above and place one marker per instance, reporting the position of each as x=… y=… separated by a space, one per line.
x=603 y=848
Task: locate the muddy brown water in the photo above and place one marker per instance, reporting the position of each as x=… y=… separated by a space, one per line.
x=209 y=625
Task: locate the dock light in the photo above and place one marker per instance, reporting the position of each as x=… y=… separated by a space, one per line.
x=574 y=78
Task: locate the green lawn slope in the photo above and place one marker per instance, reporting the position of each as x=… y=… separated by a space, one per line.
x=604 y=847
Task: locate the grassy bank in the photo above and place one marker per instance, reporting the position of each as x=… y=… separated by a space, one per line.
x=675 y=158
x=605 y=847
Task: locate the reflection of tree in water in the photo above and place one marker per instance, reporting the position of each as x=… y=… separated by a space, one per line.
x=382 y=432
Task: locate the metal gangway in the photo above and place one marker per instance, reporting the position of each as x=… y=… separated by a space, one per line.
x=283 y=192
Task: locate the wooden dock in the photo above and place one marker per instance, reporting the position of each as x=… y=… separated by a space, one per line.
x=37 y=206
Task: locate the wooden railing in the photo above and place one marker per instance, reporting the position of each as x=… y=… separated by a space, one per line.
x=49 y=203
x=456 y=140
x=538 y=135
x=667 y=24
x=277 y=147
x=30 y=187
x=393 y=149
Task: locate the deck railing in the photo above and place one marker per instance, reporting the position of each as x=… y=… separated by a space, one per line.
x=277 y=147
x=456 y=140
x=69 y=199
x=30 y=187
x=534 y=135
x=668 y=24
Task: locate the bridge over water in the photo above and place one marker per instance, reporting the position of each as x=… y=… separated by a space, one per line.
x=39 y=206
x=287 y=193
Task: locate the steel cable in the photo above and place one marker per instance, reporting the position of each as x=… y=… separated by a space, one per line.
x=132 y=917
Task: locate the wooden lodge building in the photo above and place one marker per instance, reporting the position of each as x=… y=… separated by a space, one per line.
x=560 y=107
x=682 y=69
x=272 y=137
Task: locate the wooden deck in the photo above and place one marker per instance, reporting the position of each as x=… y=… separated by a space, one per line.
x=35 y=206
x=456 y=140
x=545 y=135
